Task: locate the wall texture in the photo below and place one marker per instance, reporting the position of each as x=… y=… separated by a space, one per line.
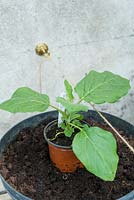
x=81 y=34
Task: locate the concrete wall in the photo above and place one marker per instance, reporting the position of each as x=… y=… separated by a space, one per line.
x=81 y=34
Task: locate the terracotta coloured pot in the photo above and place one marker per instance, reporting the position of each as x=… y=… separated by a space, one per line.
x=62 y=156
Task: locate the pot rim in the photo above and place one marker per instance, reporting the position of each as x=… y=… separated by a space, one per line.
x=51 y=143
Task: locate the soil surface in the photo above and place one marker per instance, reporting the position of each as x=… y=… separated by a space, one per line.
x=27 y=167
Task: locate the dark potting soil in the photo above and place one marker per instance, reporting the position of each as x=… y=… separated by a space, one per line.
x=27 y=167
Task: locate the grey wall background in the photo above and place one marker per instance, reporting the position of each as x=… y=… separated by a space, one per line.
x=81 y=34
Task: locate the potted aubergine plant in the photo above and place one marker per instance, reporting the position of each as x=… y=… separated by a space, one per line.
x=72 y=142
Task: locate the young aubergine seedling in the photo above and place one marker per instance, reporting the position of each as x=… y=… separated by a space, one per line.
x=94 y=147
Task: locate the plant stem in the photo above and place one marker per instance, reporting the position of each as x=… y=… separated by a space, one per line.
x=58 y=109
x=56 y=136
x=122 y=138
x=75 y=126
x=40 y=77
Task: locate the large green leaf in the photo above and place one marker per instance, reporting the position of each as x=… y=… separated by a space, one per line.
x=69 y=90
x=96 y=149
x=26 y=100
x=102 y=87
x=70 y=107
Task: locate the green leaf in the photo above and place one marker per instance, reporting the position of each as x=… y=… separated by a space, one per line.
x=74 y=116
x=62 y=125
x=68 y=131
x=70 y=107
x=26 y=100
x=96 y=149
x=69 y=90
x=102 y=87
